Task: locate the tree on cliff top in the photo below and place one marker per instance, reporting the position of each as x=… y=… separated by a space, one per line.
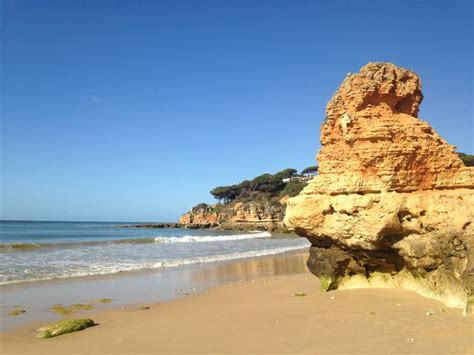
x=263 y=184
x=310 y=170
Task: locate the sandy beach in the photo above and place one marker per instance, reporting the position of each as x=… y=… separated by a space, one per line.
x=264 y=314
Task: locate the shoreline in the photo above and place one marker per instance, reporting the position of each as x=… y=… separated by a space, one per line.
x=136 y=287
x=142 y=271
x=265 y=314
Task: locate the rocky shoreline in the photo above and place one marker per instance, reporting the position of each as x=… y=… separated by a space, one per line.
x=241 y=216
x=154 y=225
x=270 y=226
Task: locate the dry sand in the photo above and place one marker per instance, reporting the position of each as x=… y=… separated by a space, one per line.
x=264 y=316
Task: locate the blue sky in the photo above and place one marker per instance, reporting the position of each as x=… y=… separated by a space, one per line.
x=134 y=110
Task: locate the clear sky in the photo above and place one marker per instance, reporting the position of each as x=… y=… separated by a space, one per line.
x=134 y=110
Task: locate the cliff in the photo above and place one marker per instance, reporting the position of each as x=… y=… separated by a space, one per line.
x=250 y=215
x=393 y=204
x=257 y=204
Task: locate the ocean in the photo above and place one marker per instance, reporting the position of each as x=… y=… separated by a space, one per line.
x=40 y=251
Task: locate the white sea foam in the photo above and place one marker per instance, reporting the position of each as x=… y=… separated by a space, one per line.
x=232 y=256
x=215 y=238
x=113 y=268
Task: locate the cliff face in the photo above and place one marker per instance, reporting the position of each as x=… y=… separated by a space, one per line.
x=393 y=204
x=249 y=215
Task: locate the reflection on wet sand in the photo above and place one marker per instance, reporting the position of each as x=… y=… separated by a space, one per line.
x=132 y=288
x=253 y=268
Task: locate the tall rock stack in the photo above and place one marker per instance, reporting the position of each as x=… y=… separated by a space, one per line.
x=393 y=205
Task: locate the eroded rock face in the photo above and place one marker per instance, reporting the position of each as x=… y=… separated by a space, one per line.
x=393 y=205
x=250 y=215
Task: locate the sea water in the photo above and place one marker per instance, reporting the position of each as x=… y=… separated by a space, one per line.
x=39 y=251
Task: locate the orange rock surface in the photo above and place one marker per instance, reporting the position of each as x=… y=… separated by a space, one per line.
x=392 y=200
x=372 y=139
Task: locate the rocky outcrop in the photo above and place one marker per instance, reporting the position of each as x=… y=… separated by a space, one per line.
x=238 y=215
x=200 y=216
x=393 y=205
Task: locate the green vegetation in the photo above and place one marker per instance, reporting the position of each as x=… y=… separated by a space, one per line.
x=62 y=311
x=64 y=327
x=200 y=206
x=310 y=170
x=266 y=184
x=467 y=159
x=325 y=282
x=293 y=188
x=266 y=190
x=16 y=312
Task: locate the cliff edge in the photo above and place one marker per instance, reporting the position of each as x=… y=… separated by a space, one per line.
x=393 y=204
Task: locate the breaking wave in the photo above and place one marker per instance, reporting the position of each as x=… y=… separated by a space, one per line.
x=28 y=247
x=216 y=238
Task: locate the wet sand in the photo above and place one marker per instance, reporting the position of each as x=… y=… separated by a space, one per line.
x=261 y=314
x=133 y=288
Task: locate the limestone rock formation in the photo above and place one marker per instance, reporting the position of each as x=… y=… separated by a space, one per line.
x=200 y=216
x=251 y=215
x=393 y=205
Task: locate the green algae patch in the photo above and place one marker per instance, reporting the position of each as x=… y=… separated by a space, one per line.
x=64 y=327
x=325 y=282
x=144 y=308
x=105 y=300
x=82 y=307
x=16 y=312
x=62 y=310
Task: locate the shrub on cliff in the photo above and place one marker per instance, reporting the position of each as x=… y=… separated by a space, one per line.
x=293 y=188
x=467 y=159
x=201 y=206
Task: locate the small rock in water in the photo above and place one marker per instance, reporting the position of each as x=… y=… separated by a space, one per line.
x=144 y=308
